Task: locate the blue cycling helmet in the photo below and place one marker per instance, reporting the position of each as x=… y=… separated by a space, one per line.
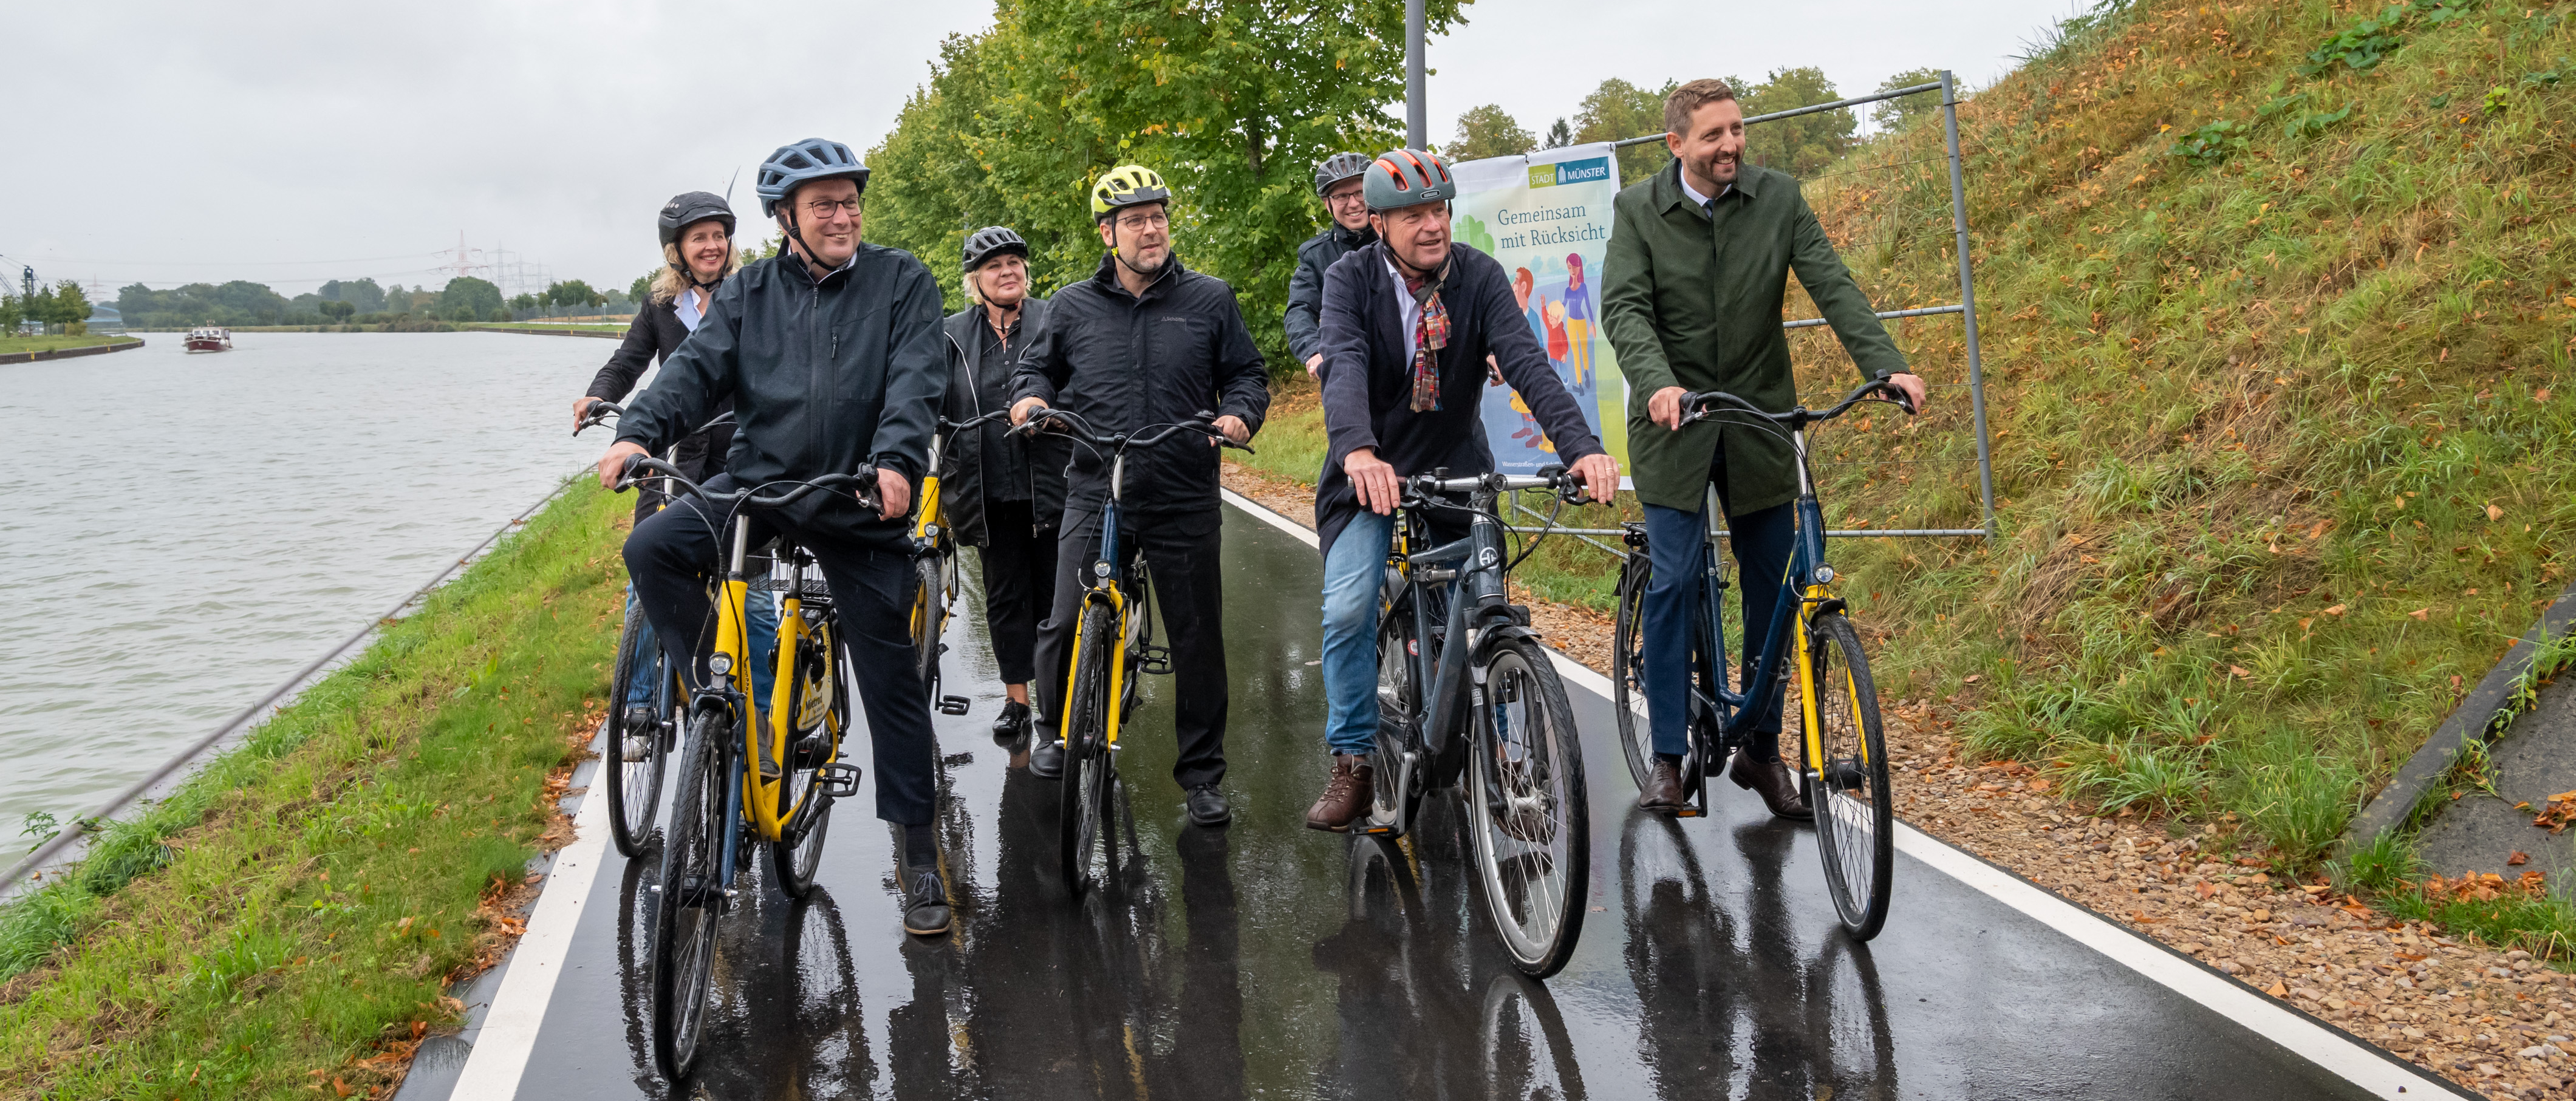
x=806 y=161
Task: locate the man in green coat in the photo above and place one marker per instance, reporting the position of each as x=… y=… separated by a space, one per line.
x=1698 y=265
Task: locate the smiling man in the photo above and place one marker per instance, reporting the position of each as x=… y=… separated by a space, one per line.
x=830 y=351
x=1699 y=261
x=1337 y=182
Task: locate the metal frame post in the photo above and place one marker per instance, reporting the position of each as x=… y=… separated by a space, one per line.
x=1968 y=298
x=1416 y=113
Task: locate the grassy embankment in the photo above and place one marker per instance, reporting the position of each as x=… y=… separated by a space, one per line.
x=514 y=325
x=2283 y=430
x=10 y=344
x=287 y=921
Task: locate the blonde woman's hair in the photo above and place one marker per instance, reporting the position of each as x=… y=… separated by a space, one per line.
x=974 y=287
x=668 y=283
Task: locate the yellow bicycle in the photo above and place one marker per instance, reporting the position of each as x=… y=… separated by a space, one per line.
x=748 y=778
x=934 y=555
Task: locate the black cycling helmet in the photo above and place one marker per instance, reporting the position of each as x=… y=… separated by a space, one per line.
x=989 y=242
x=1408 y=177
x=806 y=161
x=689 y=208
x=1338 y=167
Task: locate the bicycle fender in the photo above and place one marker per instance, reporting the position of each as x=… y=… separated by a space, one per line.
x=1494 y=636
x=1831 y=606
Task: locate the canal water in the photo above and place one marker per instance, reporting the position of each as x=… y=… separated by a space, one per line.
x=184 y=531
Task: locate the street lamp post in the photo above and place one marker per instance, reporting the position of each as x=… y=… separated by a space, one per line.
x=1416 y=113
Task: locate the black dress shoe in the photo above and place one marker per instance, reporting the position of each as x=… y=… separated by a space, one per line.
x=925 y=900
x=1771 y=779
x=1663 y=790
x=1007 y=725
x=1046 y=756
x=1208 y=806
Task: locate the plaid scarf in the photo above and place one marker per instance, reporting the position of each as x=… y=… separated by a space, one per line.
x=1430 y=334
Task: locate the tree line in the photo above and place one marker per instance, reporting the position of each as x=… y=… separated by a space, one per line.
x=1619 y=110
x=350 y=301
x=64 y=304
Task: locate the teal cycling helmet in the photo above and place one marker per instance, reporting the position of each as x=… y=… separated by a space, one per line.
x=1407 y=177
x=804 y=162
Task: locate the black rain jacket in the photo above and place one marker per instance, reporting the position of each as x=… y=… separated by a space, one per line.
x=656 y=332
x=826 y=376
x=1368 y=378
x=1305 y=320
x=992 y=462
x=1124 y=363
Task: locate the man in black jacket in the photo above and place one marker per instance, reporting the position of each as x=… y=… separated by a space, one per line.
x=1146 y=341
x=1337 y=182
x=1001 y=493
x=1408 y=325
x=831 y=353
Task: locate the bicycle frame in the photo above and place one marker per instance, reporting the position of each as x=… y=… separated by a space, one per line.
x=1105 y=576
x=1478 y=613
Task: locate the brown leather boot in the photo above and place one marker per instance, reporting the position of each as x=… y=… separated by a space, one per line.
x=1772 y=781
x=1346 y=796
x=1663 y=790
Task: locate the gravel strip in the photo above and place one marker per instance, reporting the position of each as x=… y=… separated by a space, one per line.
x=2498 y=1023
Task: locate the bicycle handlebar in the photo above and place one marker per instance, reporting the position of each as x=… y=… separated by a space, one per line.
x=600 y=410
x=1707 y=404
x=861 y=486
x=1071 y=424
x=1555 y=478
x=959 y=426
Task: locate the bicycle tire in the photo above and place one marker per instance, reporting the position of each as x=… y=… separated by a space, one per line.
x=929 y=621
x=1848 y=786
x=1086 y=754
x=1628 y=670
x=1526 y=788
x=1396 y=795
x=799 y=851
x=687 y=903
x=634 y=787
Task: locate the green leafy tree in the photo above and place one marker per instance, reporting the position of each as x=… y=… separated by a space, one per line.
x=467 y=298
x=1489 y=131
x=1559 y=135
x=362 y=293
x=71 y=304
x=12 y=314
x=1899 y=113
x=643 y=285
x=573 y=292
x=1231 y=101
x=1617 y=111
x=1804 y=145
x=338 y=311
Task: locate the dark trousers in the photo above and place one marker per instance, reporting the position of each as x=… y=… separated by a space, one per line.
x=674 y=554
x=1676 y=540
x=1181 y=552
x=1019 y=584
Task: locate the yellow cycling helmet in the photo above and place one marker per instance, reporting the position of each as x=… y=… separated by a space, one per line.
x=1125 y=186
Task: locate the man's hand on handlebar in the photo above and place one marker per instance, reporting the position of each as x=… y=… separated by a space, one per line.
x=894 y=493
x=1600 y=474
x=1665 y=407
x=1020 y=410
x=1375 y=480
x=612 y=466
x=1911 y=385
x=581 y=412
x=1233 y=428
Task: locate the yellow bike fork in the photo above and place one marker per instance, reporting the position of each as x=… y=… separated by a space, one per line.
x=1117 y=666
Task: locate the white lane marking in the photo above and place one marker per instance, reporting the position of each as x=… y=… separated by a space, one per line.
x=2361 y=1064
x=509 y=1032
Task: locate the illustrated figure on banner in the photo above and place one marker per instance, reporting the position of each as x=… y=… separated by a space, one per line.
x=1578 y=323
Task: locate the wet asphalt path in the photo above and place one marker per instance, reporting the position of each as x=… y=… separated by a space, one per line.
x=1268 y=960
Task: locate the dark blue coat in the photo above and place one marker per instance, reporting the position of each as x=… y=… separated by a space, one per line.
x=1368 y=377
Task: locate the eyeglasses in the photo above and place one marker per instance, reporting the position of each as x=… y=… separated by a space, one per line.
x=1351 y=197
x=822 y=210
x=1151 y=219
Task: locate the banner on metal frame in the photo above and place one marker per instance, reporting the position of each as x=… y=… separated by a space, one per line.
x=1546 y=218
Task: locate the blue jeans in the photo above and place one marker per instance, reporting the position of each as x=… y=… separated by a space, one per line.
x=1678 y=544
x=1353 y=572
x=761 y=608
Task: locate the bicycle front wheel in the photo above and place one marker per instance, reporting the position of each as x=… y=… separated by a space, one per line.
x=1628 y=670
x=929 y=620
x=631 y=762
x=1531 y=820
x=1082 y=843
x=1847 y=779
x=689 y=900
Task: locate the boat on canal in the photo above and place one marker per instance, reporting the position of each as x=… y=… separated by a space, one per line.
x=210 y=339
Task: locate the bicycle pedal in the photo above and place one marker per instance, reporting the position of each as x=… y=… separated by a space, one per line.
x=1155 y=660
x=954 y=705
x=839 y=779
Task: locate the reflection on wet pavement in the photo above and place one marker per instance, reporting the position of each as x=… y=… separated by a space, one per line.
x=1271 y=960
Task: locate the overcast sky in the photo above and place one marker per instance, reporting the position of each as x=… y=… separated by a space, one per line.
x=293 y=142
